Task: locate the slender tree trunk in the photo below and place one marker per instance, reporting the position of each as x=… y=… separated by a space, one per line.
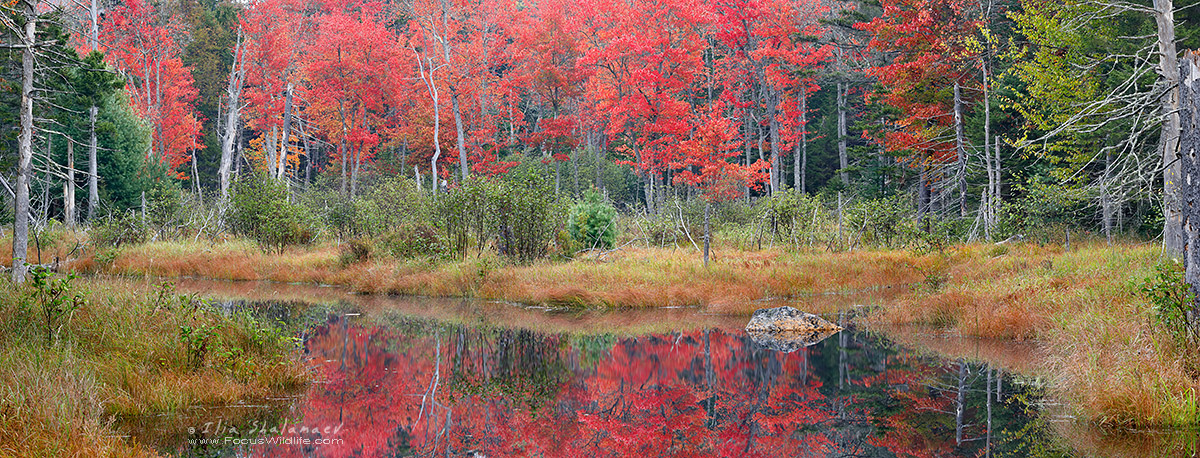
x=843 y=156
x=1164 y=17
x=575 y=170
x=747 y=122
x=270 y=146
x=234 y=91
x=707 y=230
x=93 y=166
x=989 y=204
x=357 y=154
x=20 y=238
x=94 y=32
x=776 y=147
x=458 y=130
x=960 y=148
x=281 y=169
x=308 y=153
x=93 y=185
x=1106 y=199
x=923 y=197
x=800 y=155
x=427 y=78
x=345 y=166
x=69 y=187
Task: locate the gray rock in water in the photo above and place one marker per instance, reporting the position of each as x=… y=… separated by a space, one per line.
x=786 y=329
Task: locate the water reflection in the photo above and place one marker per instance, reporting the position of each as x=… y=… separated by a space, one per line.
x=402 y=386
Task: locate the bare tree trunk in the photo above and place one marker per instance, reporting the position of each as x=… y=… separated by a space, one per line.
x=20 y=238
x=747 y=120
x=93 y=179
x=281 y=169
x=989 y=204
x=800 y=155
x=1190 y=172
x=960 y=148
x=234 y=91
x=1164 y=17
x=575 y=170
x=458 y=130
x=776 y=147
x=94 y=33
x=69 y=187
x=342 y=153
x=923 y=197
x=707 y=231
x=843 y=156
x=1106 y=199
x=93 y=167
x=427 y=78
x=270 y=146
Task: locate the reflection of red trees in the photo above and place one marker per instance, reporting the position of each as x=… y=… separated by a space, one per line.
x=420 y=390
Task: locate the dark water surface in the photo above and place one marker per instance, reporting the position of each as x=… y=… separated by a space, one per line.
x=436 y=377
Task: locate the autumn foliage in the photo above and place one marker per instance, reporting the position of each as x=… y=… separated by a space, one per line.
x=664 y=84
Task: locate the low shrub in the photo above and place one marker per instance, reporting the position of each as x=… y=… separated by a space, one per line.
x=592 y=222
x=260 y=209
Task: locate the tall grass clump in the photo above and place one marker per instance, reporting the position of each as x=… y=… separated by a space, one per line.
x=121 y=349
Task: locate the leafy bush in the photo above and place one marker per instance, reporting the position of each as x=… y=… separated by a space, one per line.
x=529 y=214
x=55 y=299
x=1173 y=301
x=411 y=241
x=880 y=221
x=356 y=250
x=520 y=213
x=126 y=229
x=1044 y=213
x=792 y=217
x=260 y=210
x=592 y=222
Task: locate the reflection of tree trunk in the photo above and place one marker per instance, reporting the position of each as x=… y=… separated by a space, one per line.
x=959 y=403
x=988 y=441
x=843 y=367
x=708 y=381
x=342 y=369
x=999 y=385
